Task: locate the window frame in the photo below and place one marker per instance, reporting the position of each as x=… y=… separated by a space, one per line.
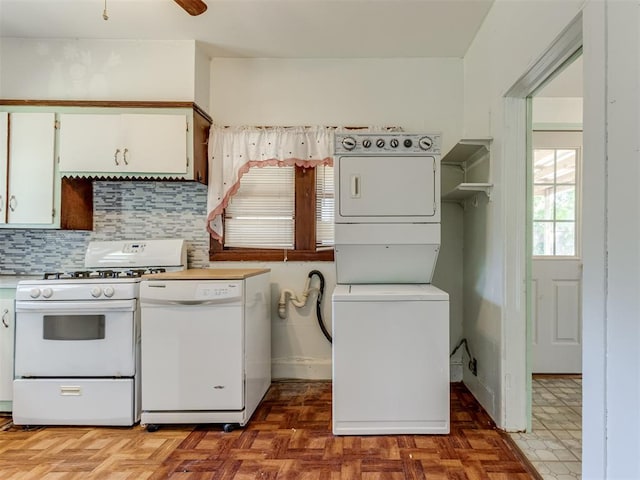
x=304 y=230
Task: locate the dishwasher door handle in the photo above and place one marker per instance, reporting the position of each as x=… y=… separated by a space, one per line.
x=155 y=302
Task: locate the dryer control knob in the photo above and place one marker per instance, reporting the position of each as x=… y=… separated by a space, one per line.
x=96 y=292
x=349 y=143
x=34 y=293
x=394 y=143
x=380 y=143
x=108 y=292
x=47 y=292
x=425 y=143
x=408 y=143
x=366 y=143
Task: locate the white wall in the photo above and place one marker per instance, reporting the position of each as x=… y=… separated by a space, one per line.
x=416 y=94
x=621 y=161
x=512 y=37
x=82 y=69
x=554 y=112
x=611 y=250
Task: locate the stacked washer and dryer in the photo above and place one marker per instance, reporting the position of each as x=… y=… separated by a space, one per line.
x=390 y=325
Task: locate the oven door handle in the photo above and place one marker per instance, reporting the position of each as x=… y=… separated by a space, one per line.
x=97 y=306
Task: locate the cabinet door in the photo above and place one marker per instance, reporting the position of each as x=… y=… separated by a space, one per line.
x=31 y=168
x=7 y=329
x=155 y=143
x=4 y=162
x=90 y=143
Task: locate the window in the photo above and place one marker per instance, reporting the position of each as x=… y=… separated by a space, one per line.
x=277 y=213
x=261 y=213
x=555 y=201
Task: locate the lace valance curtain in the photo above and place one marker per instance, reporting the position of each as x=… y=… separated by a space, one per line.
x=234 y=150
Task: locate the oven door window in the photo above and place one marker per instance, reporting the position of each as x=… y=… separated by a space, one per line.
x=73 y=327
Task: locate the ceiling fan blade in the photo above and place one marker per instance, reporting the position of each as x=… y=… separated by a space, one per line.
x=192 y=7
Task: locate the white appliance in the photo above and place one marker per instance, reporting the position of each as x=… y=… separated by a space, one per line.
x=390 y=359
x=77 y=343
x=387 y=209
x=390 y=326
x=206 y=346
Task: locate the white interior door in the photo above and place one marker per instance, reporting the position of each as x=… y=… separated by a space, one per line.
x=556 y=265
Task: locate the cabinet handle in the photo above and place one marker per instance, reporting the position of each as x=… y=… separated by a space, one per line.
x=115 y=156
x=12 y=203
x=4 y=318
x=124 y=156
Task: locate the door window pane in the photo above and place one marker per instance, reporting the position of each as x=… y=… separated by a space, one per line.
x=543 y=202
x=543 y=238
x=565 y=238
x=543 y=166
x=566 y=166
x=565 y=202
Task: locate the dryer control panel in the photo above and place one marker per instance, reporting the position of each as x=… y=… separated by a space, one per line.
x=387 y=143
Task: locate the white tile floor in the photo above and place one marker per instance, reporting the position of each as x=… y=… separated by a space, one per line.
x=554 y=447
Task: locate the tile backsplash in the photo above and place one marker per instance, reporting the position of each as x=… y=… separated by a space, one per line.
x=122 y=210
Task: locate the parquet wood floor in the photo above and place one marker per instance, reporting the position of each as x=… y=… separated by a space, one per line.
x=288 y=438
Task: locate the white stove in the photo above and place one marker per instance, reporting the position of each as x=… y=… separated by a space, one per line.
x=77 y=347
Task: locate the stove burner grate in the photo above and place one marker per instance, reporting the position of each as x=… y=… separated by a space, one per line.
x=106 y=274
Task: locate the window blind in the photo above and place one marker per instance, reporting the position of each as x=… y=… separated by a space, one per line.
x=261 y=213
x=324 y=206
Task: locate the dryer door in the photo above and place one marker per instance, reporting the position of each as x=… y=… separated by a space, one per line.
x=388 y=189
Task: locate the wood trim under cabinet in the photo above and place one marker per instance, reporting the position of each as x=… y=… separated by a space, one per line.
x=201 y=127
x=104 y=104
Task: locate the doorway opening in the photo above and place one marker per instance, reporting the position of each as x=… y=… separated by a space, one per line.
x=553 y=444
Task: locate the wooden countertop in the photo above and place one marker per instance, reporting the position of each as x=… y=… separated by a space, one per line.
x=208 y=274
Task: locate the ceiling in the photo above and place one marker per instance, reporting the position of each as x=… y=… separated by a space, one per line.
x=263 y=28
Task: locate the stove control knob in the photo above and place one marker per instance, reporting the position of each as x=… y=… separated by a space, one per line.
x=96 y=292
x=380 y=143
x=408 y=143
x=366 y=143
x=47 y=292
x=394 y=143
x=34 y=293
x=108 y=292
x=349 y=143
x=425 y=143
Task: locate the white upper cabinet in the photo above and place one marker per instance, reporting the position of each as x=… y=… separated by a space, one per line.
x=27 y=176
x=135 y=144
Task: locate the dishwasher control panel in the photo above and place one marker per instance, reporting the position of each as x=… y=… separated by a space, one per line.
x=217 y=291
x=190 y=292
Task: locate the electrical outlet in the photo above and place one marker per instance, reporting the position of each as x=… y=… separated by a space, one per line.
x=473 y=366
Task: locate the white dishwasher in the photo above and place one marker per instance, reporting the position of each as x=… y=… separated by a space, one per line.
x=205 y=345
